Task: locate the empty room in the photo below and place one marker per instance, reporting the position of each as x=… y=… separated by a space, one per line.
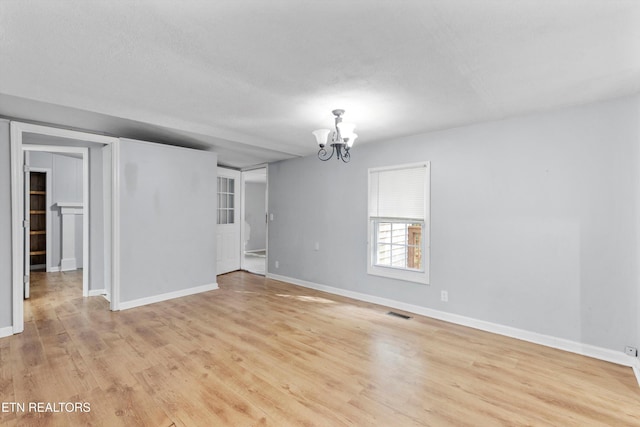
x=320 y=213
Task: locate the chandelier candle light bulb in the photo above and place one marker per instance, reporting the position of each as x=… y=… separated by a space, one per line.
x=342 y=139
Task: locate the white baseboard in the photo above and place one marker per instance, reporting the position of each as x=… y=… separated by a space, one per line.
x=636 y=369
x=618 y=357
x=107 y=297
x=53 y=270
x=96 y=292
x=125 y=305
x=6 y=331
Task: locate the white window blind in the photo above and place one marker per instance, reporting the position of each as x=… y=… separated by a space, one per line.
x=398 y=193
x=399 y=225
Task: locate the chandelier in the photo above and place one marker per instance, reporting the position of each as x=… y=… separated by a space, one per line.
x=341 y=141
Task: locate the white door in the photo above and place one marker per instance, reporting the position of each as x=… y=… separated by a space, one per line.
x=228 y=219
x=26 y=225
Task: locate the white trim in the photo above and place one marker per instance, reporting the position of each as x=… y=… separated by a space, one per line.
x=54 y=270
x=17 y=244
x=6 y=331
x=636 y=369
x=124 y=305
x=70 y=208
x=64 y=133
x=601 y=353
x=96 y=292
x=17 y=195
x=266 y=232
x=242 y=220
x=115 y=226
x=107 y=153
x=70 y=264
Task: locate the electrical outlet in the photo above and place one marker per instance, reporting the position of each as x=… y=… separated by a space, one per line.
x=277 y=264
x=270 y=217
x=444 y=296
x=317 y=246
x=631 y=351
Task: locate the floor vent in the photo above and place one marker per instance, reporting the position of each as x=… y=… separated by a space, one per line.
x=402 y=316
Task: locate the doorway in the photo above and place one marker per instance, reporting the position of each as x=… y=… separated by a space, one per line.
x=254 y=220
x=26 y=138
x=56 y=197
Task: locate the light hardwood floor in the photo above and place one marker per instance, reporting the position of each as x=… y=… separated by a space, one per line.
x=263 y=352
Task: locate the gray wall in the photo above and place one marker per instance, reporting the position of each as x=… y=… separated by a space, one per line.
x=254 y=214
x=534 y=221
x=66 y=186
x=6 y=293
x=167 y=210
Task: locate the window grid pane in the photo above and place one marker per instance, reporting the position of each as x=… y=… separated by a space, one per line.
x=398 y=245
x=226 y=208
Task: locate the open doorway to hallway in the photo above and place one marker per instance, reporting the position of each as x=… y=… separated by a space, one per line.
x=75 y=198
x=56 y=205
x=254 y=223
x=54 y=189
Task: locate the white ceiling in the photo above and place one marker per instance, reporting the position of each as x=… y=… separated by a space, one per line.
x=252 y=79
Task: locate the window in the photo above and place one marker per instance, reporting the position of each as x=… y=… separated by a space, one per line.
x=226 y=192
x=399 y=222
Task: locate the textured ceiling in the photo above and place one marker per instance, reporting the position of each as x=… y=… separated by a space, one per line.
x=252 y=79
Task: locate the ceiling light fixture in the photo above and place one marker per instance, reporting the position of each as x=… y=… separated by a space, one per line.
x=342 y=139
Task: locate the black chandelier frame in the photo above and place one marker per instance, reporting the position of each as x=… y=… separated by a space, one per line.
x=339 y=146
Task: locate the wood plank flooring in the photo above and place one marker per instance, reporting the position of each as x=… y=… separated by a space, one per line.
x=263 y=352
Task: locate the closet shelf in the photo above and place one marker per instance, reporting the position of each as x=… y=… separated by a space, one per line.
x=37 y=217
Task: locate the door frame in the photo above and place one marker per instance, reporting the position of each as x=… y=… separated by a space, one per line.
x=17 y=130
x=84 y=152
x=243 y=211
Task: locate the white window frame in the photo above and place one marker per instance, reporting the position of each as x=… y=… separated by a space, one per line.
x=229 y=196
x=410 y=275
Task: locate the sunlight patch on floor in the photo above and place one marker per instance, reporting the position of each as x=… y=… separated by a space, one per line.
x=307 y=298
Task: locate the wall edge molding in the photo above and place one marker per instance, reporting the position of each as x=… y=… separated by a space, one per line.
x=125 y=305
x=636 y=370
x=617 y=357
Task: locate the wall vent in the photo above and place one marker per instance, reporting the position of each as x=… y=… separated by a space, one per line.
x=402 y=316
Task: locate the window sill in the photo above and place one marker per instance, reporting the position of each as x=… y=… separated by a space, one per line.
x=420 y=277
